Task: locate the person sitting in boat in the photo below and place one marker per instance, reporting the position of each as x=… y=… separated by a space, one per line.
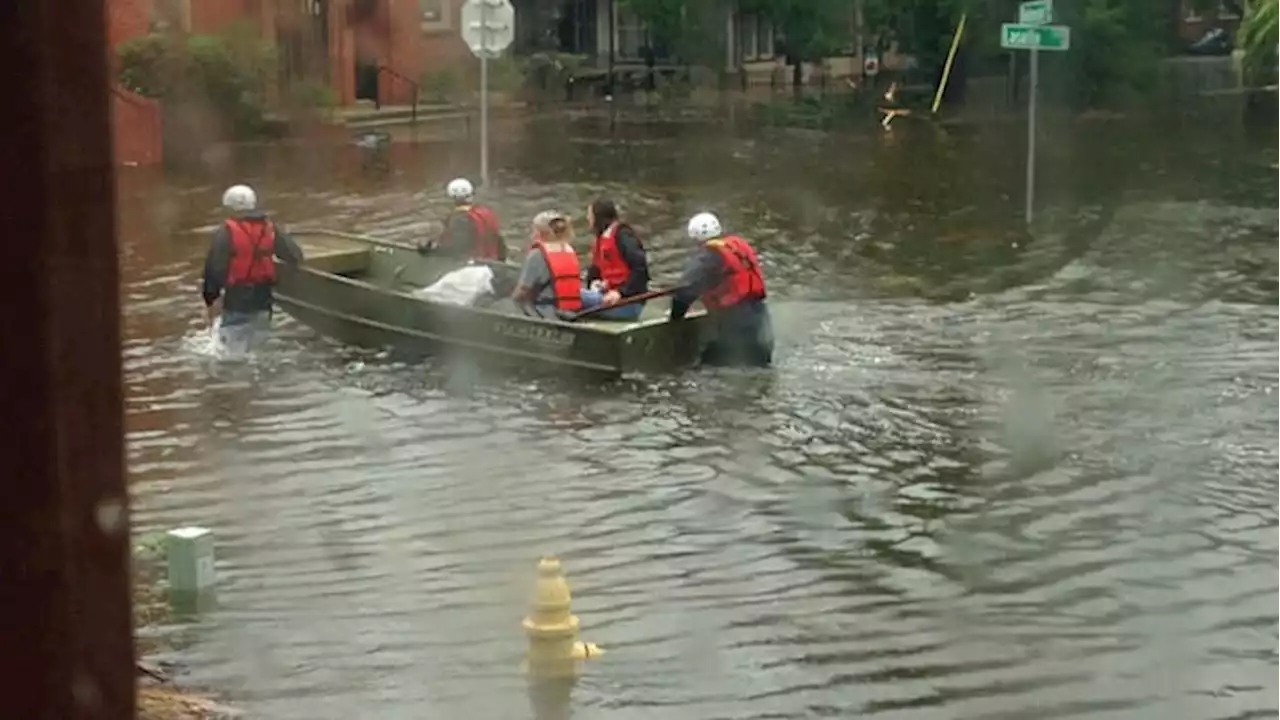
x=470 y=229
x=619 y=265
x=550 y=281
x=725 y=274
x=240 y=269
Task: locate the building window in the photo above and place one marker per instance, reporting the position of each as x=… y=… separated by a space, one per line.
x=1228 y=10
x=1189 y=13
x=764 y=38
x=747 y=36
x=633 y=34
x=755 y=38
x=434 y=15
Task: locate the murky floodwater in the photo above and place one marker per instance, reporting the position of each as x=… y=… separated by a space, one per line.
x=990 y=477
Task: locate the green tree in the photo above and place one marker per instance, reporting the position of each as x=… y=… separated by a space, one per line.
x=810 y=29
x=690 y=30
x=1258 y=38
x=1115 y=44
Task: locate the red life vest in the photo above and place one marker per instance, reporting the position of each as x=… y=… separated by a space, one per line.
x=253 y=249
x=742 y=277
x=488 y=236
x=566 y=280
x=605 y=255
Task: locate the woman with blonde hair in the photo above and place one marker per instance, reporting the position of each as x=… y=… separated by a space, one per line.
x=551 y=278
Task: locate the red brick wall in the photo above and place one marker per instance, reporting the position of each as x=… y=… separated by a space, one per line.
x=209 y=16
x=135 y=120
x=342 y=55
x=396 y=38
x=136 y=127
x=403 y=53
x=445 y=47
x=127 y=19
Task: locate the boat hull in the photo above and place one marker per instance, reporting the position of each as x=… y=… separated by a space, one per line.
x=372 y=312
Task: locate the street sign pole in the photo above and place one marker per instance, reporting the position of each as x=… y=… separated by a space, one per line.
x=1033 y=33
x=1031 y=134
x=488 y=28
x=484 y=100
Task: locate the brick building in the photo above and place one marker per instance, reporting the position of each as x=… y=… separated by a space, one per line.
x=135 y=120
x=362 y=49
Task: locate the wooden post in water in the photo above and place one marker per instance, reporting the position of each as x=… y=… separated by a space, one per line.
x=66 y=649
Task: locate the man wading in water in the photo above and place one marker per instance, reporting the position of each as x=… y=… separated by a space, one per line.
x=240 y=269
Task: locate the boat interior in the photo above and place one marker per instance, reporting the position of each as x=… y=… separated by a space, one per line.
x=402 y=269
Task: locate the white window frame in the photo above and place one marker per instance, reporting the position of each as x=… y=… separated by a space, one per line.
x=747 y=37
x=750 y=48
x=435 y=15
x=627 y=23
x=765 y=31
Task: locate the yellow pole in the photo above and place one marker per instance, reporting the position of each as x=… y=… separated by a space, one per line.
x=946 y=70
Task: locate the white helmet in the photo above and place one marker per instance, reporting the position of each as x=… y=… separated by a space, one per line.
x=704 y=226
x=240 y=198
x=460 y=189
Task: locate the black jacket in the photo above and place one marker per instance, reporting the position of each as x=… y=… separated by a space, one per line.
x=744 y=332
x=633 y=254
x=459 y=236
x=249 y=298
x=702 y=273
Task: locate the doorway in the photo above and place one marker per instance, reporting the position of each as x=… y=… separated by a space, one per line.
x=575 y=31
x=367 y=22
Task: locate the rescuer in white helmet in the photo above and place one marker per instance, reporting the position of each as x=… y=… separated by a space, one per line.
x=240 y=268
x=470 y=230
x=725 y=274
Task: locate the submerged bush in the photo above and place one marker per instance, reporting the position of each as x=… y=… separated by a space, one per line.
x=228 y=72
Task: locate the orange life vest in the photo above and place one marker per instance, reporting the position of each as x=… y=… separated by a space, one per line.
x=566 y=279
x=488 y=242
x=253 y=249
x=742 y=277
x=605 y=255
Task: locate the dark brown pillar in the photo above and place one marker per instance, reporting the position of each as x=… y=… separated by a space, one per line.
x=66 y=649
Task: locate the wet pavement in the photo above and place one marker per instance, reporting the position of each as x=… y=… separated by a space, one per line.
x=992 y=476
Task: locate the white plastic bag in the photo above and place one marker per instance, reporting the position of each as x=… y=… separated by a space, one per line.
x=460 y=287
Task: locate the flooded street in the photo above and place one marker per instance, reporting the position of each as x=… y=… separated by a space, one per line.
x=991 y=476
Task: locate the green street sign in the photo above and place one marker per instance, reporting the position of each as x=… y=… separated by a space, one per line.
x=1036 y=12
x=1015 y=36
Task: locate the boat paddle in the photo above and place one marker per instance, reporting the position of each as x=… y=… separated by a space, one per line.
x=642 y=297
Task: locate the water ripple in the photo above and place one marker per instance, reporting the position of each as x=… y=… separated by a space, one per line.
x=1055 y=499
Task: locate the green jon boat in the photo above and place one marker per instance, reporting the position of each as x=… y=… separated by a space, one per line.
x=360 y=290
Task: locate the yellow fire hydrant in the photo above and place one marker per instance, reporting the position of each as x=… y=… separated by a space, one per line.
x=554 y=649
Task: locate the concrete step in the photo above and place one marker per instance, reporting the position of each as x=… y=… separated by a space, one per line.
x=362 y=113
x=403 y=120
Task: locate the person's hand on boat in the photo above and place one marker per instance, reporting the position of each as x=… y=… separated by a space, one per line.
x=427 y=247
x=611 y=298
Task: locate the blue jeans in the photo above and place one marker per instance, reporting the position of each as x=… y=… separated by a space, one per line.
x=594 y=298
x=240 y=332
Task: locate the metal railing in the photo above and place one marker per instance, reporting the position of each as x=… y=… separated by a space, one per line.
x=417 y=90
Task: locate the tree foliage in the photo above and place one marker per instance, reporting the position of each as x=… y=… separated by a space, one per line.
x=1116 y=45
x=691 y=31
x=1258 y=36
x=229 y=72
x=810 y=29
